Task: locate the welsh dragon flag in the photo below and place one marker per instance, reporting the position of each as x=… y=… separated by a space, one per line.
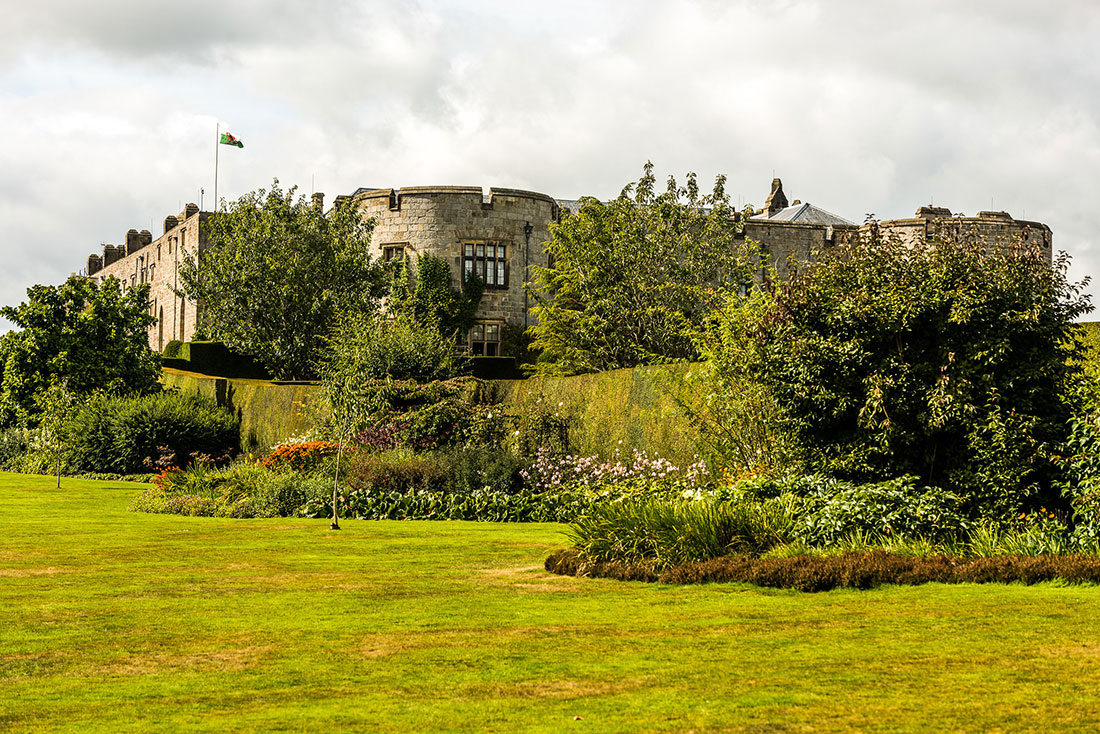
x=230 y=139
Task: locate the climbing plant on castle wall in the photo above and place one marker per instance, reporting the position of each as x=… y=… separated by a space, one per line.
x=631 y=278
x=278 y=273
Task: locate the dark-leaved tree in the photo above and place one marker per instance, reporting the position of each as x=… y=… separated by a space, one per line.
x=950 y=359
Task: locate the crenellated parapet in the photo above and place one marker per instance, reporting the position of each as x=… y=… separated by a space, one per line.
x=141 y=259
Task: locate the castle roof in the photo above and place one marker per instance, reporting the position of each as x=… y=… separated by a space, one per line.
x=808 y=214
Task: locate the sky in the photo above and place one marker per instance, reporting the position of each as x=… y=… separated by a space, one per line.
x=109 y=110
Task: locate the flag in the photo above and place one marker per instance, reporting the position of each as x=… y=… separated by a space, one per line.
x=228 y=139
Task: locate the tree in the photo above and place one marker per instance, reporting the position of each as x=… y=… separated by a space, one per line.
x=277 y=274
x=57 y=405
x=952 y=360
x=369 y=347
x=631 y=278
x=87 y=335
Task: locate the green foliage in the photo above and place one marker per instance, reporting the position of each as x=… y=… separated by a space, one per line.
x=727 y=399
x=277 y=274
x=128 y=434
x=630 y=278
x=667 y=533
x=172 y=349
x=366 y=347
x=425 y=295
x=946 y=359
x=91 y=336
x=629 y=409
x=240 y=490
x=831 y=510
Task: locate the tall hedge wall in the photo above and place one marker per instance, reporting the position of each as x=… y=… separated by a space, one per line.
x=269 y=411
x=637 y=407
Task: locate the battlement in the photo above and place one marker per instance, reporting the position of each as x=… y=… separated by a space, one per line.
x=472 y=195
x=134 y=240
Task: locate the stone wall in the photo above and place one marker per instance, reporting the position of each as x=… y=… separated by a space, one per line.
x=785 y=244
x=444 y=220
x=996 y=229
x=143 y=259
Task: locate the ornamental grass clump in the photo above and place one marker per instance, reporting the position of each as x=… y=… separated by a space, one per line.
x=666 y=533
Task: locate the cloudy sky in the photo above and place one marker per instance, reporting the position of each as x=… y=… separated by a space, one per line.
x=109 y=109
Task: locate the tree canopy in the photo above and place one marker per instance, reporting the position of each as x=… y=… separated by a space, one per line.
x=278 y=273
x=952 y=360
x=630 y=279
x=89 y=336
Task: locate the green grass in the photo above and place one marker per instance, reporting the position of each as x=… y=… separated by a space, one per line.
x=111 y=621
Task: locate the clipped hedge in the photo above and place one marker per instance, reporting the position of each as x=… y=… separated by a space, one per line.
x=621 y=409
x=212 y=358
x=269 y=411
x=857 y=570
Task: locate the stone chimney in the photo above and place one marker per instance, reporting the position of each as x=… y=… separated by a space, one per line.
x=933 y=212
x=318 y=200
x=170 y=222
x=145 y=237
x=777 y=200
x=95 y=263
x=189 y=211
x=339 y=201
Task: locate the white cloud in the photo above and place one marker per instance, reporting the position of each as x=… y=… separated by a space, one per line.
x=110 y=108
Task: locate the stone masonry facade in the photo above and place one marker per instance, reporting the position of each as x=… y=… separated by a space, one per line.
x=500 y=236
x=156 y=262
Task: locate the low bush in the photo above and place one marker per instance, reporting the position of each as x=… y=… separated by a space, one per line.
x=833 y=509
x=129 y=434
x=859 y=570
x=483 y=505
x=398 y=470
x=241 y=490
x=663 y=533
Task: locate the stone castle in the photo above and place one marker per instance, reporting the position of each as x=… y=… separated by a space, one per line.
x=499 y=236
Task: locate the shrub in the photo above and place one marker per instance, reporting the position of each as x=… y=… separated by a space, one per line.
x=398 y=471
x=473 y=469
x=14 y=444
x=127 y=434
x=833 y=509
x=667 y=533
x=859 y=570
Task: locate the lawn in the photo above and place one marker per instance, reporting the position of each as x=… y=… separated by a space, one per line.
x=111 y=620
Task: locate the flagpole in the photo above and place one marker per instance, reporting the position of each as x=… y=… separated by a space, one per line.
x=217 y=138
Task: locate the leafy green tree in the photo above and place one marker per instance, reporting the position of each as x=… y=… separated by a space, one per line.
x=56 y=404
x=89 y=336
x=371 y=347
x=631 y=278
x=949 y=360
x=277 y=274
